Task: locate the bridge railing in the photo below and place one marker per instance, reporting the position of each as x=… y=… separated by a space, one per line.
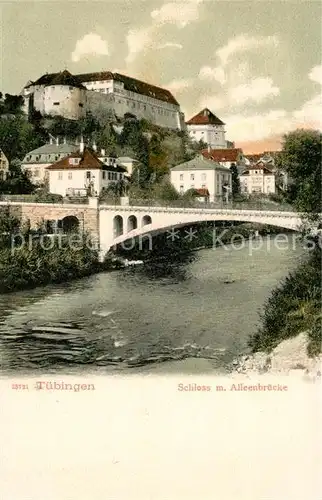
x=249 y=205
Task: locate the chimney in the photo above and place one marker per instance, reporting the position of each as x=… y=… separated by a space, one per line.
x=57 y=141
x=81 y=145
x=94 y=146
x=65 y=142
x=102 y=152
x=50 y=140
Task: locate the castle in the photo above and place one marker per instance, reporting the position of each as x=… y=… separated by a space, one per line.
x=71 y=96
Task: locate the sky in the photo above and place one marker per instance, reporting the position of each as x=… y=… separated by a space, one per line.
x=256 y=65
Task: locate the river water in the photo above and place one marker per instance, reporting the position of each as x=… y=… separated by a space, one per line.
x=128 y=319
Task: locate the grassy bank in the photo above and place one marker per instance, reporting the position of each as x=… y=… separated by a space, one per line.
x=26 y=267
x=294 y=307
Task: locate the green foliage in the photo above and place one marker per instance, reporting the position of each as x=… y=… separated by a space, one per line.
x=39 y=262
x=17 y=137
x=17 y=182
x=301 y=158
x=12 y=104
x=293 y=307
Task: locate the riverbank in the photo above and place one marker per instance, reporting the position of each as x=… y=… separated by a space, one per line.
x=290 y=357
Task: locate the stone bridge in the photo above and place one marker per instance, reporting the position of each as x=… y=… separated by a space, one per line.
x=113 y=225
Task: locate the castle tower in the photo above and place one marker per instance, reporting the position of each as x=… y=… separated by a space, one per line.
x=207 y=127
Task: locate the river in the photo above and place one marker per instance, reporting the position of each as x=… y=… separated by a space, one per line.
x=128 y=320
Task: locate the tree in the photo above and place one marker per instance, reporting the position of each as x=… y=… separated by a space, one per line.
x=18 y=181
x=17 y=137
x=158 y=158
x=235 y=182
x=301 y=159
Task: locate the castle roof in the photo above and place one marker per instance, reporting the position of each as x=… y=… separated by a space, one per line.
x=61 y=78
x=88 y=160
x=130 y=84
x=205 y=117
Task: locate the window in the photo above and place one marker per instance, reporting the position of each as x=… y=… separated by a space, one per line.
x=203 y=186
x=80 y=104
x=203 y=177
x=56 y=103
x=88 y=175
x=181 y=189
x=181 y=177
x=104 y=174
x=60 y=176
x=192 y=177
x=36 y=172
x=70 y=175
x=192 y=186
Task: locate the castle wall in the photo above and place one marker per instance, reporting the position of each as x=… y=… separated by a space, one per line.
x=69 y=102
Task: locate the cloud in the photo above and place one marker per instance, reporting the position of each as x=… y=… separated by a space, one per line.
x=179 y=13
x=170 y=45
x=316 y=74
x=275 y=123
x=180 y=85
x=257 y=90
x=311 y=112
x=148 y=37
x=90 y=44
x=208 y=73
x=138 y=40
x=244 y=43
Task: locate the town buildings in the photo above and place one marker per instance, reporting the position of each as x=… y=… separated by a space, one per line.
x=209 y=128
x=257 y=179
x=202 y=174
x=36 y=162
x=82 y=173
x=71 y=96
x=4 y=166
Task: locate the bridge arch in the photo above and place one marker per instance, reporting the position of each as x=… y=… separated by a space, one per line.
x=146 y=219
x=70 y=224
x=117 y=226
x=132 y=223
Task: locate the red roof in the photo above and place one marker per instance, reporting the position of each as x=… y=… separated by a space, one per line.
x=205 y=117
x=222 y=155
x=203 y=192
x=87 y=161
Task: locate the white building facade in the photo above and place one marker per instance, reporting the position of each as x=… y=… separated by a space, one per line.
x=202 y=174
x=108 y=91
x=82 y=174
x=257 y=179
x=209 y=128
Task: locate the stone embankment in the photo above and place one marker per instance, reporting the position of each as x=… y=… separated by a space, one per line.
x=288 y=358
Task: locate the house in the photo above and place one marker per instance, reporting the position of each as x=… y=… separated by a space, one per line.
x=257 y=179
x=4 y=166
x=201 y=173
x=71 y=96
x=128 y=163
x=207 y=127
x=82 y=173
x=226 y=157
x=35 y=162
